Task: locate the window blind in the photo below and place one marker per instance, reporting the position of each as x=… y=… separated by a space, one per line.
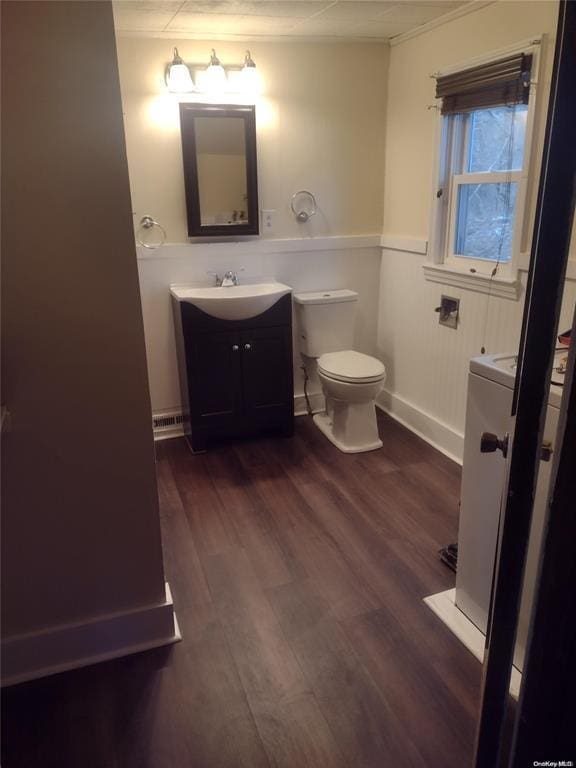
x=499 y=83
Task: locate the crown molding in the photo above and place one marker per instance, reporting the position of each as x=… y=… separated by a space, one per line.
x=462 y=10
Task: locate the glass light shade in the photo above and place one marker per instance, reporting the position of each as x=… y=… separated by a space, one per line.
x=214 y=79
x=179 y=79
x=251 y=82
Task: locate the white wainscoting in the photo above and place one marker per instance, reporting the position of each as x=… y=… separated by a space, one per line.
x=408 y=244
x=441 y=436
x=427 y=364
x=306 y=264
x=251 y=246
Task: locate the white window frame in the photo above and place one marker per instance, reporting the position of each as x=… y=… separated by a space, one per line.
x=462 y=179
x=450 y=143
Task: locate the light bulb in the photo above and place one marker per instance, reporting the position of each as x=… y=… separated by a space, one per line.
x=251 y=82
x=214 y=79
x=178 y=77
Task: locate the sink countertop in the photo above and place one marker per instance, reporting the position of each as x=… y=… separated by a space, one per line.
x=234 y=302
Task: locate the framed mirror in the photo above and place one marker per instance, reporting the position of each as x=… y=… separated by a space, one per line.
x=220 y=172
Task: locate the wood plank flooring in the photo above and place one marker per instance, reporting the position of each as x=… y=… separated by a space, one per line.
x=298 y=574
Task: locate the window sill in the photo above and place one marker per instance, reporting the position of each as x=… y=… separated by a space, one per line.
x=504 y=287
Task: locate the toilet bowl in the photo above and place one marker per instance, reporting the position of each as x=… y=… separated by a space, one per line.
x=351 y=382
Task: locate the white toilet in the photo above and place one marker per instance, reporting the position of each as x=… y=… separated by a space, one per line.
x=350 y=380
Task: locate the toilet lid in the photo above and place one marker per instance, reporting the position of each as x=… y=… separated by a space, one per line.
x=351 y=366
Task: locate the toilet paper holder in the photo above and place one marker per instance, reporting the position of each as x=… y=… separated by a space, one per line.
x=448 y=311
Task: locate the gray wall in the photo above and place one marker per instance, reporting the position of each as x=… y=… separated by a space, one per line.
x=81 y=525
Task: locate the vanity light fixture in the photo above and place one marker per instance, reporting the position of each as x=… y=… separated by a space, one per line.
x=250 y=75
x=215 y=76
x=213 y=79
x=178 y=77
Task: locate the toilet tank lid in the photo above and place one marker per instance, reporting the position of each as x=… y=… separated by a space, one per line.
x=325 y=297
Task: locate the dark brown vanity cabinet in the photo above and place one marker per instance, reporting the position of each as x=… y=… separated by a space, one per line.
x=236 y=377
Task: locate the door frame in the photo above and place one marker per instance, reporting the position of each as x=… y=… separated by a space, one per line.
x=544 y=728
x=549 y=256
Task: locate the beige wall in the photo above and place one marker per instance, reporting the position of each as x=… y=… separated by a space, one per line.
x=410 y=126
x=81 y=527
x=428 y=364
x=320 y=126
x=350 y=122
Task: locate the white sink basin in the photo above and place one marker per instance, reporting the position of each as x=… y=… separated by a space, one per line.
x=234 y=302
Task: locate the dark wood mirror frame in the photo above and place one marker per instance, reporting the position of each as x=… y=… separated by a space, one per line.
x=190 y=111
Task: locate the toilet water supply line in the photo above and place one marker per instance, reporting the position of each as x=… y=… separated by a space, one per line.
x=306 y=380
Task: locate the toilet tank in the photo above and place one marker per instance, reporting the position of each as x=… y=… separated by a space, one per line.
x=325 y=321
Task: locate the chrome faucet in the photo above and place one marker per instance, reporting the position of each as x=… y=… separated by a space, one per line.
x=230 y=278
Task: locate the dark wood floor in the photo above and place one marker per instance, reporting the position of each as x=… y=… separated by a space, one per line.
x=298 y=574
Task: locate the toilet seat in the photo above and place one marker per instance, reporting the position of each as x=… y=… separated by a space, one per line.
x=350 y=366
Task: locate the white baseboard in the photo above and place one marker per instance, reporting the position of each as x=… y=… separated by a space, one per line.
x=167 y=423
x=316 y=403
x=168 y=434
x=439 y=435
x=442 y=437
x=167 y=431
x=444 y=606
x=69 y=646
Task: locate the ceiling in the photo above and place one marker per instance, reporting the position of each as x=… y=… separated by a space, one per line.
x=278 y=19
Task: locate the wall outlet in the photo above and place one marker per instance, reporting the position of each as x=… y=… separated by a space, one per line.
x=268 y=221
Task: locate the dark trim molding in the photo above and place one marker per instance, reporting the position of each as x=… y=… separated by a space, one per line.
x=547 y=706
x=549 y=258
x=188 y=112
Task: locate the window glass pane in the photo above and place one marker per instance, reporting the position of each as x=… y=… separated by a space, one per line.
x=497 y=139
x=485 y=220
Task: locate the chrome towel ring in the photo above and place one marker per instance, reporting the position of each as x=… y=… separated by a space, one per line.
x=303 y=205
x=147 y=222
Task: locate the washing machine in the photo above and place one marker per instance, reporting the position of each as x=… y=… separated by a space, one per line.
x=489 y=404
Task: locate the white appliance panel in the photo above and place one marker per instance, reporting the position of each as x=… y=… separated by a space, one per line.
x=536 y=530
x=488 y=409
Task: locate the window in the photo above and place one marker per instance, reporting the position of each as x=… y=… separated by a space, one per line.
x=486 y=171
x=486 y=116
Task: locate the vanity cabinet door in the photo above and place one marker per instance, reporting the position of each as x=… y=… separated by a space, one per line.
x=267 y=374
x=236 y=377
x=214 y=376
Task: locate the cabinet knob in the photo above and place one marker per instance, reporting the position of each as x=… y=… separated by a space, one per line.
x=247 y=347
x=235 y=347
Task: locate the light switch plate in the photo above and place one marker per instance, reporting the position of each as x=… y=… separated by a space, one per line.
x=268 y=217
